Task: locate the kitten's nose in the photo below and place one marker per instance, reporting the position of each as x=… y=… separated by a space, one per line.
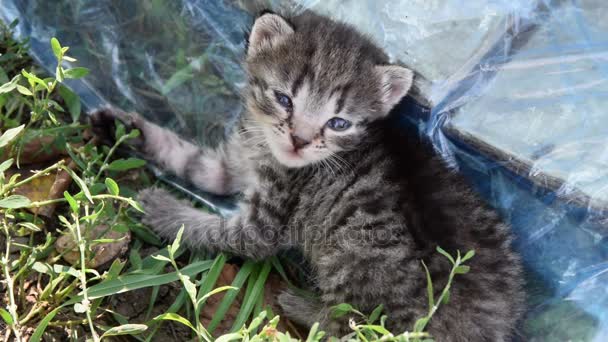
x=298 y=142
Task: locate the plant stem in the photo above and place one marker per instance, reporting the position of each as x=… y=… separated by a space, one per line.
x=38 y=174
x=107 y=158
x=83 y=277
x=61 y=200
x=9 y=283
x=36 y=309
x=70 y=322
x=47 y=202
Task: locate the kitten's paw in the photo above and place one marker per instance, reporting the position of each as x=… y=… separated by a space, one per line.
x=160 y=208
x=103 y=123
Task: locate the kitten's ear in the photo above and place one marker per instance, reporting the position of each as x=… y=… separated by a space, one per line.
x=268 y=30
x=395 y=81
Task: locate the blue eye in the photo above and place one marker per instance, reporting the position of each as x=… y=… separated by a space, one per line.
x=338 y=124
x=283 y=100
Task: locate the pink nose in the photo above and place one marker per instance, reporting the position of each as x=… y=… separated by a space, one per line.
x=298 y=142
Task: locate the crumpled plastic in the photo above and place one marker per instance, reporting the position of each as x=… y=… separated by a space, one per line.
x=515 y=94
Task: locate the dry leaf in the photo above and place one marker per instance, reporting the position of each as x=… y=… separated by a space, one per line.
x=103 y=253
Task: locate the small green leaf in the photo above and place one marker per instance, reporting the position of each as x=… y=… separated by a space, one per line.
x=255 y=323
x=462 y=269
x=190 y=287
x=341 y=310
x=6 y=165
x=8 y=87
x=59 y=73
x=134 y=204
x=230 y=337
x=420 y=324
x=14 y=202
x=135 y=259
x=80 y=182
x=71 y=201
x=112 y=186
x=125 y=329
x=175 y=317
x=375 y=314
x=446 y=298
x=56 y=48
x=468 y=256
x=377 y=328
x=9 y=135
x=429 y=286
x=72 y=101
x=175 y=245
x=446 y=254
x=42 y=268
x=126 y=164
x=23 y=90
x=30 y=226
x=134 y=133
x=6 y=317
x=59 y=269
x=161 y=258
x=33 y=79
x=76 y=73
x=312 y=334
x=215 y=291
x=120 y=129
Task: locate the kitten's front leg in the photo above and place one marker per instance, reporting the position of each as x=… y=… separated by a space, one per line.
x=238 y=234
x=220 y=170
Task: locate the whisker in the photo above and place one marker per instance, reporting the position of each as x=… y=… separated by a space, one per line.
x=344 y=162
x=334 y=162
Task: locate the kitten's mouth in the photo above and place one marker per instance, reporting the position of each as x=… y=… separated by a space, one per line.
x=294 y=153
x=292 y=158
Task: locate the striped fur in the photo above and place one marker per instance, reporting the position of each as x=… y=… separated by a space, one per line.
x=365 y=206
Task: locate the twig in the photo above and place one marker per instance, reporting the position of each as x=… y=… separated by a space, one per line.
x=83 y=277
x=12 y=308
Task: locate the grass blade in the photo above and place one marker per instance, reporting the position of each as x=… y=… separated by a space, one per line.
x=137 y=281
x=229 y=297
x=125 y=329
x=37 y=335
x=251 y=298
x=210 y=279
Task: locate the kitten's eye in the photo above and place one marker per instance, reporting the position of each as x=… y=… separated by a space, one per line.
x=338 y=124
x=283 y=100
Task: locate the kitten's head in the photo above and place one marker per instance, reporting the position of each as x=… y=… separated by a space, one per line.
x=315 y=86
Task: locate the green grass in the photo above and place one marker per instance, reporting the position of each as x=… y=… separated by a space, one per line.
x=75 y=299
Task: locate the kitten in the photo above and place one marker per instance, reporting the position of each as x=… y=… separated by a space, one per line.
x=322 y=169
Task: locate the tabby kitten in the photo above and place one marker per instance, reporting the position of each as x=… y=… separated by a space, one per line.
x=322 y=169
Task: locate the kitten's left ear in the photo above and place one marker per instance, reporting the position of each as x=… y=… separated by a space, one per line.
x=268 y=30
x=395 y=81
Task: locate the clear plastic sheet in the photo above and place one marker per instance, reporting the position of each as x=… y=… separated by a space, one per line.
x=517 y=89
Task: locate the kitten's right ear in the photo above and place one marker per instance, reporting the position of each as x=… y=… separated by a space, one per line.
x=268 y=30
